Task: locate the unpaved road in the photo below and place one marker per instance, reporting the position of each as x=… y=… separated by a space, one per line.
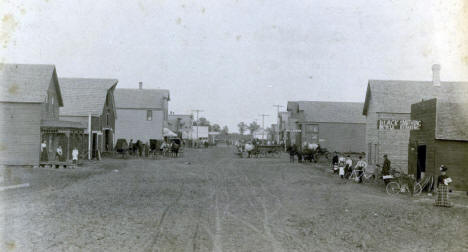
x=210 y=200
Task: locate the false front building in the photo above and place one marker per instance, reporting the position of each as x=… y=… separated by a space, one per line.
x=388 y=113
x=442 y=139
x=336 y=126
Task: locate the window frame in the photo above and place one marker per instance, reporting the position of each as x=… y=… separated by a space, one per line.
x=149 y=115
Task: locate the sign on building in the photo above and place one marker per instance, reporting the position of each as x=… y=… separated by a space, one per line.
x=388 y=124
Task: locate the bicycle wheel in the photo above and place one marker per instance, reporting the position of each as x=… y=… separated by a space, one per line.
x=417 y=189
x=393 y=188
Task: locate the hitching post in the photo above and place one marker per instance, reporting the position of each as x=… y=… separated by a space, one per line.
x=89 y=137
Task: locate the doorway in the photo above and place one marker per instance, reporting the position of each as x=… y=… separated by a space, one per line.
x=421 y=165
x=108 y=145
x=94 y=146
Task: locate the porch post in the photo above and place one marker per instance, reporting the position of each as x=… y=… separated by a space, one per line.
x=89 y=137
x=67 y=133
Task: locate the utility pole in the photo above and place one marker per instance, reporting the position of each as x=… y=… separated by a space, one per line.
x=278 y=107
x=263 y=125
x=197 y=111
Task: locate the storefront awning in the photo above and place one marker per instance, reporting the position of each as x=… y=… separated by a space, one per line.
x=168 y=133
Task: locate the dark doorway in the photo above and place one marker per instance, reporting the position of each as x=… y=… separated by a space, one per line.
x=108 y=140
x=421 y=166
x=94 y=148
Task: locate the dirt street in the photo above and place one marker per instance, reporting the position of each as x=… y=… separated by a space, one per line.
x=211 y=200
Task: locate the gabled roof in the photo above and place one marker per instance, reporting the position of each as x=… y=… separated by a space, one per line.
x=397 y=96
x=84 y=96
x=338 y=112
x=140 y=98
x=27 y=83
x=451 y=121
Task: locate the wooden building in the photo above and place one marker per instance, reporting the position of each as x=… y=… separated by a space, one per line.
x=441 y=139
x=336 y=126
x=30 y=98
x=91 y=100
x=389 y=101
x=142 y=113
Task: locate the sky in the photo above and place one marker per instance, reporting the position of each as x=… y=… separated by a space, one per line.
x=235 y=59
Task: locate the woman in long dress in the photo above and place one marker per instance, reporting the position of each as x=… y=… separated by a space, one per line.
x=442 y=188
x=44 y=154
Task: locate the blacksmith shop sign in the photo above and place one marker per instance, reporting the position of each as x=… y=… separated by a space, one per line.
x=398 y=124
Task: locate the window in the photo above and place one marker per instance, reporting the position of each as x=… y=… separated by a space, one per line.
x=107 y=119
x=149 y=115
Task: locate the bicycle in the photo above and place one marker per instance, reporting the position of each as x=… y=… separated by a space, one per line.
x=402 y=185
x=365 y=176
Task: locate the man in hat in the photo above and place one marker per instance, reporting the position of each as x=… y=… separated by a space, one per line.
x=442 y=188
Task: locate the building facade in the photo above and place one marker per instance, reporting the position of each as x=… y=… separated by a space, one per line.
x=91 y=100
x=441 y=139
x=142 y=114
x=390 y=102
x=336 y=126
x=30 y=98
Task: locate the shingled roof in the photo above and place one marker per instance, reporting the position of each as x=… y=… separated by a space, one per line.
x=27 y=83
x=83 y=96
x=451 y=121
x=337 y=112
x=140 y=98
x=397 y=96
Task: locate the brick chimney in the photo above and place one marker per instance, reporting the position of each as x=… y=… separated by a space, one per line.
x=140 y=85
x=436 y=75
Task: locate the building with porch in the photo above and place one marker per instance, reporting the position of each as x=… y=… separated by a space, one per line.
x=336 y=126
x=30 y=98
x=441 y=138
x=389 y=102
x=91 y=100
x=142 y=114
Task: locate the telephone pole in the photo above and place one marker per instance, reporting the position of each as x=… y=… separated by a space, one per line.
x=278 y=107
x=263 y=125
x=197 y=111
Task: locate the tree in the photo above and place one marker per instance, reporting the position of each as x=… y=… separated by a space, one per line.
x=201 y=122
x=216 y=128
x=253 y=126
x=242 y=127
x=225 y=130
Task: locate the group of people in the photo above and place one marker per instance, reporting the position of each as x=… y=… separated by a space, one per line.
x=59 y=155
x=343 y=166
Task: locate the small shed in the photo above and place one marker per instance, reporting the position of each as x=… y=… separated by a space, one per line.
x=442 y=139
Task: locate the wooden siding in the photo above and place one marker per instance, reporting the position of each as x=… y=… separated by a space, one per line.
x=394 y=143
x=453 y=154
x=132 y=124
x=20 y=133
x=341 y=137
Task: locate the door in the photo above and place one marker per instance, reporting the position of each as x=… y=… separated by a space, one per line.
x=94 y=145
x=421 y=165
x=108 y=140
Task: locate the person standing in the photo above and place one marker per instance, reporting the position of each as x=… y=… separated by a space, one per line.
x=360 y=166
x=386 y=168
x=75 y=155
x=292 y=153
x=348 y=166
x=442 y=188
x=44 y=152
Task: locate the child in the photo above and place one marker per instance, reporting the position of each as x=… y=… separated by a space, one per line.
x=75 y=156
x=342 y=164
